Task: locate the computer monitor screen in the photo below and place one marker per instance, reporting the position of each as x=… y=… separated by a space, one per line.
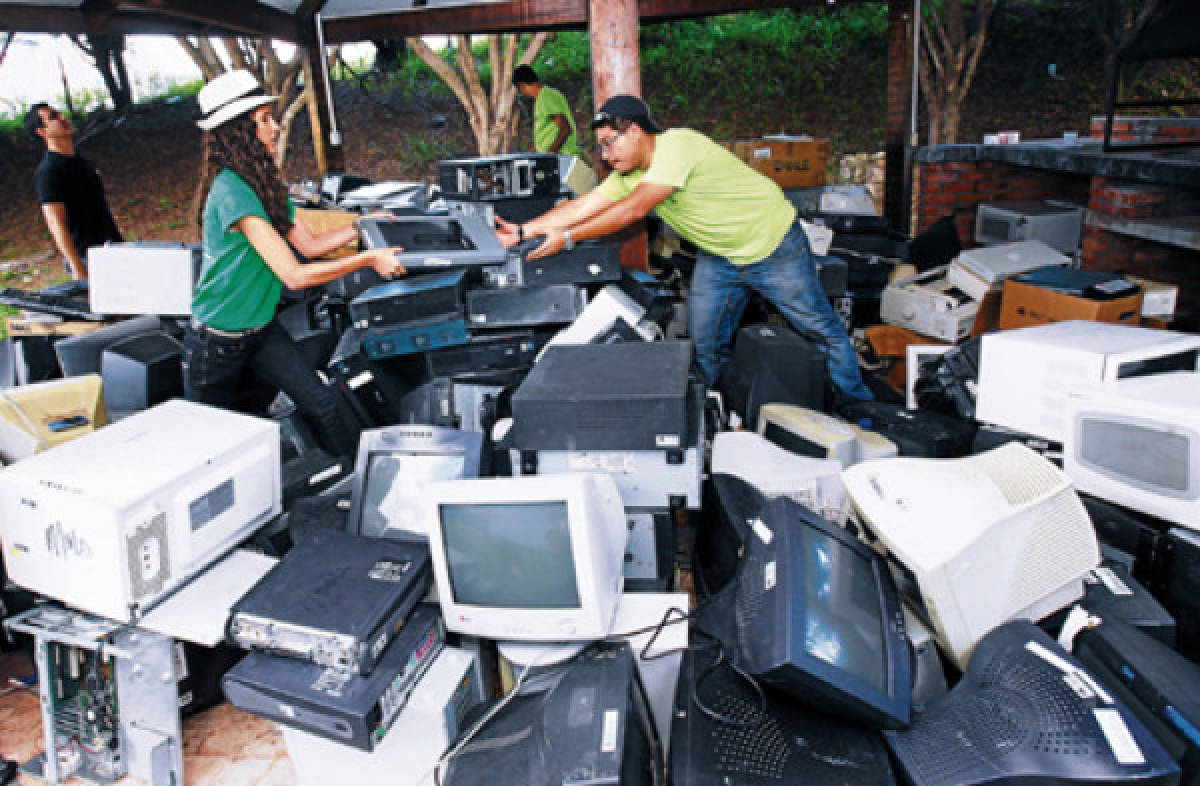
x=818 y=617
x=516 y=554
x=395 y=465
x=536 y=559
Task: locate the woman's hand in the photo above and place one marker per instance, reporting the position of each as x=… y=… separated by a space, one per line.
x=507 y=233
x=384 y=261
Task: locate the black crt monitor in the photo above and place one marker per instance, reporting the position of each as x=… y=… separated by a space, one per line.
x=1026 y=711
x=141 y=371
x=819 y=618
x=435 y=242
x=392 y=467
x=79 y=355
x=729 y=505
x=586 y=721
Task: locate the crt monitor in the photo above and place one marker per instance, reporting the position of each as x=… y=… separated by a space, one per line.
x=819 y=618
x=977 y=541
x=528 y=559
x=393 y=468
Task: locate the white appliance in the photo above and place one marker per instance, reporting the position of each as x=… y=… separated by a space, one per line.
x=813 y=482
x=1024 y=374
x=143 y=277
x=114 y=521
x=977 y=541
x=1138 y=444
x=599 y=316
x=929 y=304
x=1056 y=224
x=807 y=432
x=981 y=269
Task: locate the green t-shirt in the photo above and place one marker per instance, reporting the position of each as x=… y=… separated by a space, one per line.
x=237 y=290
x=719 y=203
x=549 y=103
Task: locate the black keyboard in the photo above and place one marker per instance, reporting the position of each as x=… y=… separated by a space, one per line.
x=49 y=303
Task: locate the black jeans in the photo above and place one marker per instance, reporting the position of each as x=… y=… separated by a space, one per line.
x=213 y=365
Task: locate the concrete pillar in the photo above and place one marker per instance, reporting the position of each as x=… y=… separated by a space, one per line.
x=899 y=148
x=616 y=68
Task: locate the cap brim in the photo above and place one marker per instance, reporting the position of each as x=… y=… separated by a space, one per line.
x=232 y=110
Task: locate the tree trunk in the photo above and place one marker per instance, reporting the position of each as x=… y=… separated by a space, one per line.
x=948 y=60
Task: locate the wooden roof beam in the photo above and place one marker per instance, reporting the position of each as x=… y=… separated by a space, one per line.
x=241 y=17
x=46 y=19
x=507 y=16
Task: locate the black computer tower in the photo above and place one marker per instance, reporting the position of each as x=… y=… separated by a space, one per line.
x=1141 y=536
x=486 y=353
x=915 y=432
x=1181 y=594
x=141 y=371
x=525 y=306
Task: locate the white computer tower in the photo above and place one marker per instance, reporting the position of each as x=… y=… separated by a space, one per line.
x=929 y=304
x=116 y=520
x=143 y=278
x=1024 y=374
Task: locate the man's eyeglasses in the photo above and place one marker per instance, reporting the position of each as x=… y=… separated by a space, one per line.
x=604 y=144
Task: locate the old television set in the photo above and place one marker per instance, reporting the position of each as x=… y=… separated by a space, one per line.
x=977 y=541
x=1138 y=444
x=818 y=617
x=394 y=466
x=114 y=521
x=435 y=242
x=1024 y=374
x=82 y=354
x=528 y=559
x=1058 y=225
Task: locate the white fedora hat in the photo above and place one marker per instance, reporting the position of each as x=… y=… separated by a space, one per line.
x=229 y=95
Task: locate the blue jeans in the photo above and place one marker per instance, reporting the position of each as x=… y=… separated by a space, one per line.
x=213 y=367
x=788 y=279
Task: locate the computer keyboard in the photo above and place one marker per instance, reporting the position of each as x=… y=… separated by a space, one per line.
x=49 y=303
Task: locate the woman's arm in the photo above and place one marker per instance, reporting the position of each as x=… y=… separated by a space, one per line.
x=279 y=257
x=313 y=245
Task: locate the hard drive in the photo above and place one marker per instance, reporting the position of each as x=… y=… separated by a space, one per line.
x=335 y=599
x=351 y=709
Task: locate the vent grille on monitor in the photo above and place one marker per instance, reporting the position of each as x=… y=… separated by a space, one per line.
x=1020 y=474
x=1061 y=547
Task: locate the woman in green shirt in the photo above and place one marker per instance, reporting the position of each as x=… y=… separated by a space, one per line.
x=244 y=221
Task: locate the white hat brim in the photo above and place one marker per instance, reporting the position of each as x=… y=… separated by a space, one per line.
x=231 y=110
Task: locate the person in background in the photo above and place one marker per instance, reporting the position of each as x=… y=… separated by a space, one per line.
x=745 y=229
x=246 y=222
x=553 y=125
x=70 y=191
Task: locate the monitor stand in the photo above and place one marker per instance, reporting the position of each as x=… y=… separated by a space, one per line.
x=522 y=655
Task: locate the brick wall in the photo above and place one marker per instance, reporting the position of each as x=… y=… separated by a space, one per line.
x=1127 y=128
x=958 y=187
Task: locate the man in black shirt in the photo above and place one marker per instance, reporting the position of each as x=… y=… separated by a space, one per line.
x=70 y=191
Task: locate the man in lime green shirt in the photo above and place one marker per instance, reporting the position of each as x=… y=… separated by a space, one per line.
x=553 y=125
x=745 y=229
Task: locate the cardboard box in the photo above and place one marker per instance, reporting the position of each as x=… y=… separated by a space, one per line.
x=790 y=162
x=319 y=221
x=1022 y=305
x=26 y=413
x=20 y=326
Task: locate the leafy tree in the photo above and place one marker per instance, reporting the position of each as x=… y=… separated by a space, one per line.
x=953 y=33
x=490 y=114
x=1118 y=23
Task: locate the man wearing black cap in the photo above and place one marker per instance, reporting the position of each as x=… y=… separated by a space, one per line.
x=746 y=230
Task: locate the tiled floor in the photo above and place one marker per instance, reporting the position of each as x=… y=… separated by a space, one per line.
x=220 y=746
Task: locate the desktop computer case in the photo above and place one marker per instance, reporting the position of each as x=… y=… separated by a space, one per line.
x=114 y=521
x=486 y=352
x=525 y=306
x=386 y=342
x=929 y=304
x=336 y=599
x=616 y=397
x=409 y=300
x=589 y=263
x=352 y=709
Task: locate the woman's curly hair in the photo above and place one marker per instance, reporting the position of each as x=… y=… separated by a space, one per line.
x=235 y=145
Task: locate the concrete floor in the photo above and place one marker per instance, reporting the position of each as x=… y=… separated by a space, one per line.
x=222 y=745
